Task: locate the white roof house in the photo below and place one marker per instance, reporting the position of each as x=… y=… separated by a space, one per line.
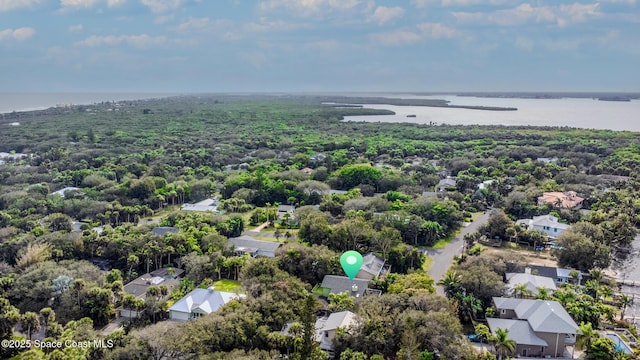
x=547 y=224
x=61 y=192
x=485 y=184
x=210 y=204
x=326 y=327
x=200 y=302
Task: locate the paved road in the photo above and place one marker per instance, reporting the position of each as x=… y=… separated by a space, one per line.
x=442 y=258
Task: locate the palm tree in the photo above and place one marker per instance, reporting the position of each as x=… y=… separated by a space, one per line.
x=78 y=285
x=521 y=291
x=543 y=293
x=586 y=336
x=625 y=301
x=502 y=344
x=596 y=274
x=30 y=323
x=451 y=282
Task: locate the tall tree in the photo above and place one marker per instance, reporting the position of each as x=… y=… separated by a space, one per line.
x=30 y=323
x=502 y=344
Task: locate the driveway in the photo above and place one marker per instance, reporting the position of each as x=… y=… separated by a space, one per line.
x=442 y=258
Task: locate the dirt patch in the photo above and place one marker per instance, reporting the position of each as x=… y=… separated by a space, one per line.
x=541 y=258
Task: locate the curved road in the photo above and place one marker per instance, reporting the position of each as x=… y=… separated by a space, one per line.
x=442 y=258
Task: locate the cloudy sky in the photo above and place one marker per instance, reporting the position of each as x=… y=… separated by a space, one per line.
x=319 y=45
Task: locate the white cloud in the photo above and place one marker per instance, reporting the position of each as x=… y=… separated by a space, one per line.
x=195 y=25
x=460 y=3
x=398 y=37
x=308 y=7
x=524 y=43
x=77 y=3
x=629 y=2
x=255 y=58
x=140 y=41
x=267 y=26
x=158 y=6
x=76 y=28
x=114 y=3
x=436 y=31
x=384 y=14
x=324 y=45
x=18 y=34
x=163 y=19
x=6 y=5
x=526 y=13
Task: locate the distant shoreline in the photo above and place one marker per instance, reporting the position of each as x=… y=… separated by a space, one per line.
x=356 y=101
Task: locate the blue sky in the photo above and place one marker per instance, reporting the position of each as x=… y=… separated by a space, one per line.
x=319 y=45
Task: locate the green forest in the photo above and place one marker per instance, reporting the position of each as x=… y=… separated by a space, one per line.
x=88 y=189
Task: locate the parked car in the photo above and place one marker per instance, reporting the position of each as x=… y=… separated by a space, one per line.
x=476 y=338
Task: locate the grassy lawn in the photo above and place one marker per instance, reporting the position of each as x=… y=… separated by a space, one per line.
x=226 y=285
x=427 y=263
x=268 y=238
x=442 y=243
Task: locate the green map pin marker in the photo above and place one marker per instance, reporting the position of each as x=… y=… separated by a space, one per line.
x=351 y=262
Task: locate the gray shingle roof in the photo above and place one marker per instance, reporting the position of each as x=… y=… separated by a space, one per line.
x=163 y=230
x=533 y=282
x=372 y=264
x=542 y=315
x=340 y=284
x=204 y=300
x=519 y=330
x=339 y=319
x=249 y=242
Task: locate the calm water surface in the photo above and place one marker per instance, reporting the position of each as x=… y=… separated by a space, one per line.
x=572 y=112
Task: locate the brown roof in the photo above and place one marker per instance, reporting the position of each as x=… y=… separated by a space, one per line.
x=566 y=200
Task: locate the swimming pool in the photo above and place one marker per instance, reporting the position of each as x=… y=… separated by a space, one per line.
x=620 y=345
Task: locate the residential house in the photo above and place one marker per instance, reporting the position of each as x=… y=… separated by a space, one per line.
x=558 y=275
x=548 y=224
x=334 y=284
x=446 y=183
x=485 y=184
x=540 y=328
x=533 y=282
x=547 y=160
x=564 y=200
x=372 y=266
x=254 y=247
x=164 y=230
x=169 y=277
x=326 y=328
x=319 y=157
x=200 y=302
x=285 y=209
x=414 y=160
x=210 y=204
x=62 y=192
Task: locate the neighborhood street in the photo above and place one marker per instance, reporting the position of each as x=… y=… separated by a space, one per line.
x=442 y=258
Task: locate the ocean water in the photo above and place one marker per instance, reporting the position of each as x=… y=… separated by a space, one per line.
x=38 y=101
x=572 y=112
